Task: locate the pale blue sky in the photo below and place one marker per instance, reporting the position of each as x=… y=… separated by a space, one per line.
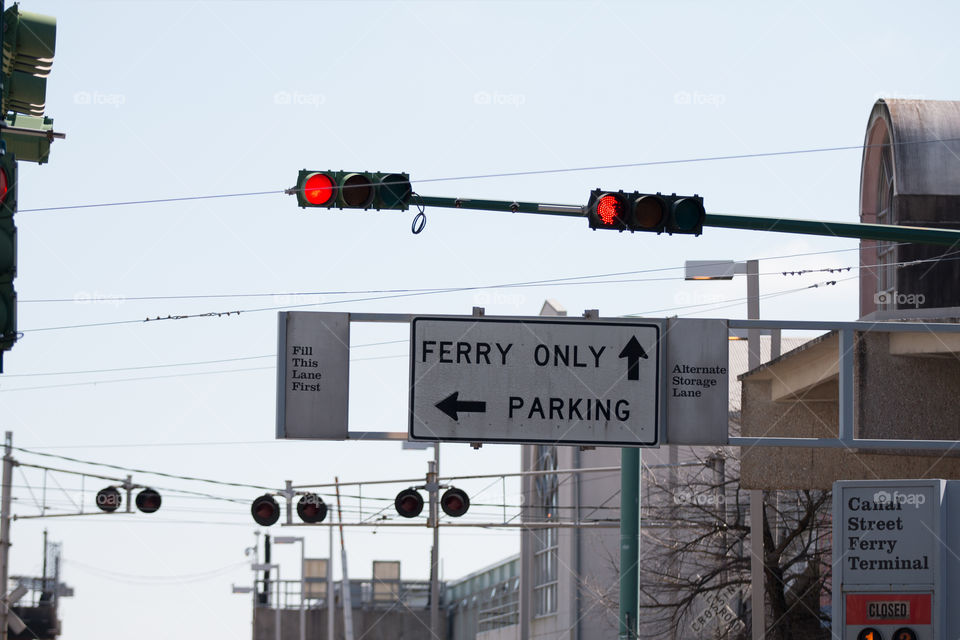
x=165 y=99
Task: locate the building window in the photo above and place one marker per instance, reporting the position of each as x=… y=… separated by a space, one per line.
x=886 y=251
x=545 y=540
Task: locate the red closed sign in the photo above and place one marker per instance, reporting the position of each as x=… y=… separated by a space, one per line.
x=889 y=608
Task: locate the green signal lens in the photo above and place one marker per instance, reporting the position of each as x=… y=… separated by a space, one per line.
x=395 y=190
x=687 y=214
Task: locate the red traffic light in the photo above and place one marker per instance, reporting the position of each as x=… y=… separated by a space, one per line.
x=109 y=499
x=148 y=501
x=4 y=185
x=265 y=510
x=311 y=508
x=454 y=502
x=609 y=209
x=409 y=503
x=319 y=189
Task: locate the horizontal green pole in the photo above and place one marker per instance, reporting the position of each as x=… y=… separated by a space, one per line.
x=861 y=231
x=499 y=205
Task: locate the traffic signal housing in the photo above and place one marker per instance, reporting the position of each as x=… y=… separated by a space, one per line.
x=148 y=501
x=265 y=510
x=353 y=190
x=109 y=499
x=409 y=503
x=654 y=212
x=311 y=508
x=454 y=502
x=29 y=41
x=8 y=254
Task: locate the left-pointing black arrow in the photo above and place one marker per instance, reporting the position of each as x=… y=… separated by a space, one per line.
x=451 y=406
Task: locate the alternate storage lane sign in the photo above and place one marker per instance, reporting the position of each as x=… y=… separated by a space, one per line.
x=571 y=381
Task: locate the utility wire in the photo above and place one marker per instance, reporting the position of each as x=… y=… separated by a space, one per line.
x=367 y=299
x=152 y=473
x=511 y=174
x=428 y=289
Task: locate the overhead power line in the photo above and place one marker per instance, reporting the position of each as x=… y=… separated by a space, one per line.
x=514 y=174
x=161 y=474
x=412 y=293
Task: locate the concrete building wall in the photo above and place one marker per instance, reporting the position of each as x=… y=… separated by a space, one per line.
x=896 y=397
x=587 y=559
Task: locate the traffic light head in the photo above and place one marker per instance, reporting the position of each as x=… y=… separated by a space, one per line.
x=409 y=503
x=353 y=190
x=29 y=40
x=265 y=510
x=454 y=502
x=109 y=499
x=311 y=508
x=148 y=501
x=645 y=212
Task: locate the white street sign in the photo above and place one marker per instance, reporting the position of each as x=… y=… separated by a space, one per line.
x=570 y=381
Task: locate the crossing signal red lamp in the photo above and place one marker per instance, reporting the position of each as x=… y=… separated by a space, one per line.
x=353 y=190
x=409 y=503
x=265 y=510
x=109 y=499
x=454 y=502
x=148 y=501
x=653 y=212
x=311 y=508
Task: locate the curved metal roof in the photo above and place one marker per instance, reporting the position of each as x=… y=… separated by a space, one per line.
x=926 y=135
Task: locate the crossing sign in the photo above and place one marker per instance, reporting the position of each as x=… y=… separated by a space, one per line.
x=563 y=381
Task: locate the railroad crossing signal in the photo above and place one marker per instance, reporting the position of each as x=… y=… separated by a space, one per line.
x=645 y=212
x=353 y=190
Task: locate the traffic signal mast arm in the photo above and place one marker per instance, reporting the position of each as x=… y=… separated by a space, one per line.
x=862 y=231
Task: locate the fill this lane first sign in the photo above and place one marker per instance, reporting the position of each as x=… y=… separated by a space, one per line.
x=572 y=381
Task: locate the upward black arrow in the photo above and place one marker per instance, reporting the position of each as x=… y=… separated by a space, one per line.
x=633 y=351
x=451 y=405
